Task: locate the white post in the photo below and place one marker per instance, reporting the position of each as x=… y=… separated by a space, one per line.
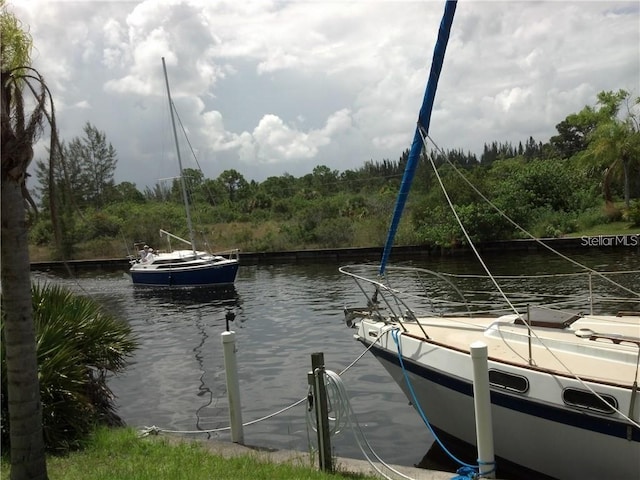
x=482 y=405
x=233 y=388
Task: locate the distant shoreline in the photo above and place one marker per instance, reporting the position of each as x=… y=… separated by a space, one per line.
x=373 y=254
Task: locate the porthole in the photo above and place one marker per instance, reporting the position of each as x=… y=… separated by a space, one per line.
x=508 y=381
x=587 y=400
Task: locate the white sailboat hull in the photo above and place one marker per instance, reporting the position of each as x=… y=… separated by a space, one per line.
x=535 y=429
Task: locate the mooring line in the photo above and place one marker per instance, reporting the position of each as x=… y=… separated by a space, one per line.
x=155 y=430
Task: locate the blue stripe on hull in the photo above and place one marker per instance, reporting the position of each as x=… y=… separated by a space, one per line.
x=607 y=426
x=214 y=275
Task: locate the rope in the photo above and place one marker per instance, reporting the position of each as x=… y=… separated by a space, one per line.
x=342 y=415
x=395 y=335
x=340 y=399
x=154 y=430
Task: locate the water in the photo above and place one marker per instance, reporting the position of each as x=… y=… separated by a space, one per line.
x=283 y=314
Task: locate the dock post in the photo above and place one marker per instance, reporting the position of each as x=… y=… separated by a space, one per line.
x=482 y=405
x=320 y=404
x=233 y=388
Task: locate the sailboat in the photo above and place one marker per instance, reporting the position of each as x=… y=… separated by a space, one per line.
x=185 y=267
x=562 y=371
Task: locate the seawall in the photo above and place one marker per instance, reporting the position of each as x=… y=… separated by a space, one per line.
x=372 y=254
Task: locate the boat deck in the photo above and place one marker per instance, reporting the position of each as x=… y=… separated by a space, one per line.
x=607 y=347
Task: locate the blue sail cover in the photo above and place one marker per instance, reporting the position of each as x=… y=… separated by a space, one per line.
x=424 y=119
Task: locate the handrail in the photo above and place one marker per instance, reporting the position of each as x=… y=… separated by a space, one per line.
x=232 y=254
x=400 y=305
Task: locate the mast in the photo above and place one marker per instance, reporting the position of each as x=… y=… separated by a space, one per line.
x=424 y=119
x=182 y=182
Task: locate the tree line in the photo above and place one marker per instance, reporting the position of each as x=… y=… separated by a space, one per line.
x=550 y=189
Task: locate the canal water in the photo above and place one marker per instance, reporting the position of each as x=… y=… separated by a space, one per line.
x=283 y=314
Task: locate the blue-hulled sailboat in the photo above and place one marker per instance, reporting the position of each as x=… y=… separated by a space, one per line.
x=183 y=267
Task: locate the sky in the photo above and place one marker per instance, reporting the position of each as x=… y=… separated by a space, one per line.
x=279 y=87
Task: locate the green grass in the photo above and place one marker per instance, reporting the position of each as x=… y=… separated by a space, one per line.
x=116 y=454
x=612 y=228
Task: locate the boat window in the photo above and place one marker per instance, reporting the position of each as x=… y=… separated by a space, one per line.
x=508 y=381
x=589 y=401
x=173 y=260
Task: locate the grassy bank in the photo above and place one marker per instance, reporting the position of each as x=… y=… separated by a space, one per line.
x=116 y=454
x=613 y=228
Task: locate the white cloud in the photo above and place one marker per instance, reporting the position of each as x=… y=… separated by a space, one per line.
x=267 y=87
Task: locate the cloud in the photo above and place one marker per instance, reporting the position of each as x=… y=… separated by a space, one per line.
x=267 y=87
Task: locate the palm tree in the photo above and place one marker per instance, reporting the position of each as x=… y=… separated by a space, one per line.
x=18 y=133
x=614 y=145
x=618 y=145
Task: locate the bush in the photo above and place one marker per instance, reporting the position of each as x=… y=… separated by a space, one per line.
x=41 y=233
x=98 y=224
x=591 y=218
x=554 y=224
x=334 y=233
x=438 y=226
x=78 y=343
x=633 y=214
x=612 y=213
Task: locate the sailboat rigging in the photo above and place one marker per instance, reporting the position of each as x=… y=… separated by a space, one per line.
x=183 y=185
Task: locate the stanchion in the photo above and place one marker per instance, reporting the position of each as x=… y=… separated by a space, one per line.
x=482 y=405
x=316 y=379
x=233 y=388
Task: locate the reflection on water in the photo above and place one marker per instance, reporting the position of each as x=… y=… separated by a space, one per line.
x=226 y=295
x=283 y=314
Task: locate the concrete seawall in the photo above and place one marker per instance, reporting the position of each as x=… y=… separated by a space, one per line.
x=373 y=254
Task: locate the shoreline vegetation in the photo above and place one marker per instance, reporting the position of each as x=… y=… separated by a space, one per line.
x=618 y=235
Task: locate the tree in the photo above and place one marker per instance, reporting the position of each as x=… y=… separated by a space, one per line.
x=97 y=161
x=573 y=132
x=86 y=175
x=614 y=145
x=233 y=181
x=324 y=180
x=159 y=193
x=283 y=186
x=60 y=187
x=18 y=133
x=126 y=192
x=193 y=180
x=214 y=191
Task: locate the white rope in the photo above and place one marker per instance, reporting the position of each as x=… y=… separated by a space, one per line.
x=155 y=430
x=335 y=384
